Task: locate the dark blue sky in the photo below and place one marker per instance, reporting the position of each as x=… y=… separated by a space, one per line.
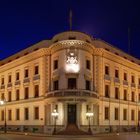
x=25 y=22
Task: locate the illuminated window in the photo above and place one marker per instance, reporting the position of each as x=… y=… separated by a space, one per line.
x=55 y=85
x=36 y=113
x=107 y=91
x=55 y=64
x=107 y=70
x=36 y=70
x=17 y=114
x=88 y=64
x=26 y=113
x=106 y=113
x=26 y=93
x=71 y=83
x=124 y=114
x=116 y=114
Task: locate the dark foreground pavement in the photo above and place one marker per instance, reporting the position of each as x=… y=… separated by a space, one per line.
x=93 y=137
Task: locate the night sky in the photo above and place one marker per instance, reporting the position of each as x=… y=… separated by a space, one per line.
x=26 y=22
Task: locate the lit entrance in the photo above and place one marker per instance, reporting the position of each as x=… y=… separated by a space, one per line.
x=71 y=114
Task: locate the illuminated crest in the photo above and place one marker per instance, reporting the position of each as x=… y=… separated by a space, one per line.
x=72 y=60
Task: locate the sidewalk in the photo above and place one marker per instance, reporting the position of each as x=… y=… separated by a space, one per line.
x=93 y=135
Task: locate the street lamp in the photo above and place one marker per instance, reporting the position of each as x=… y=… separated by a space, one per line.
x=5 y=124
x=89 y=115
x=54 y=115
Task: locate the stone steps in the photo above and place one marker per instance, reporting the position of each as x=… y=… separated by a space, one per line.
x=72 y=129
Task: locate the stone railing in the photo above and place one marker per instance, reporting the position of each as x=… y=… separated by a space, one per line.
x=72 y=92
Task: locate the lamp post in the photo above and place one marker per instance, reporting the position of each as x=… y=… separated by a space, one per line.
x=54 y=115
x=5 y=124
x=89 y=115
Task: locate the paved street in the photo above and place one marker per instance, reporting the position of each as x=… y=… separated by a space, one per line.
x=115 y=137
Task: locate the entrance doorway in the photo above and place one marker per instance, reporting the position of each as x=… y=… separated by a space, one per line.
x=71 y=114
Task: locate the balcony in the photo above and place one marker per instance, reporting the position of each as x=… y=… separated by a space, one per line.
x=2 y=87
x=116 y=80
x=125 y=83
x=133 y=85
x=67 y=93
x=107 y=77
x=26 y=80
x=9 y=85
x=36 y=77
x=17 y=82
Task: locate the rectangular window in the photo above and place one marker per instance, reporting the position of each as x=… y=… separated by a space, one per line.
x=2 y=115
x=87 y=85
x=71 y=83
x=55 y=64
x=2 y=97
x=116 y=93
x=26 y=73
x=116 y=73
x=88 y=64
x=36 y=90
x=36 y=113
x=125 y=95
x=107 y=70
x=26 y=93
x=125 y=76
x=26 y=114
x=9 y=79
x=139 y=81
x=132 y=115
x=55 y=85
x=9 y=96
x=116 y=114
x=133 y=96
x=17 y=114
x=36 y=70
x=9 y=115
x=132 y=79
x=106 y=113
x=17 y=76
x=107 y=91
x=2 y=81
x=17 y=94
x=139 y=97
x=125 y=114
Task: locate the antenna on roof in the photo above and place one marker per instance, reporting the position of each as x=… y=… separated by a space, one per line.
x=70 y=19
x=129 y=41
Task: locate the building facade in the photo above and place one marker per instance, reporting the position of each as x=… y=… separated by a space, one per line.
x=72 y=74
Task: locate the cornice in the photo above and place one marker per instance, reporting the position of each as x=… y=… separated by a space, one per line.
x=24 y=59
x=67 y=43
x=121 y=61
